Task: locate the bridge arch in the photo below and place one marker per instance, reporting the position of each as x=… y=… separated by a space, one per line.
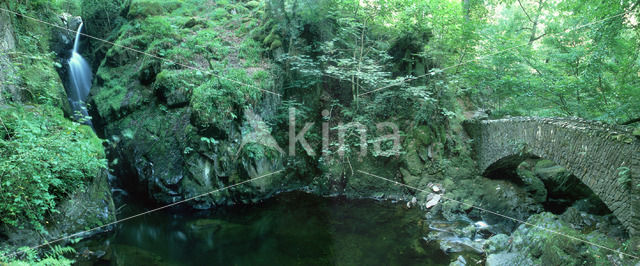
x=594 y=152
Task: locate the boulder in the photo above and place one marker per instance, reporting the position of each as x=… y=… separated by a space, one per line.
x=545 y=242
x=508 y=259
x=497 y=243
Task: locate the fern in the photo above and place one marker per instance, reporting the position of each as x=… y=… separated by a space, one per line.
x=29 y=256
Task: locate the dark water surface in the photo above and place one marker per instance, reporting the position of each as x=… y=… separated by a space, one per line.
x=291 y=228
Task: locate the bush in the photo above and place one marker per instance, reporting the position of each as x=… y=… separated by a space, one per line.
x=43 y=158
x=29 y=256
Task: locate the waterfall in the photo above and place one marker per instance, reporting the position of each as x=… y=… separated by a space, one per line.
x=79 y=80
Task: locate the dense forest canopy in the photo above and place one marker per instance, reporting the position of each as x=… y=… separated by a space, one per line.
x=547 y=58
x=542 y=57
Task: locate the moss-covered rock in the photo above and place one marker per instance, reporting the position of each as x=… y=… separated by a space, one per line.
x=103 y=16
x=7 y=70
x=532 y=183
x=118 y=93
x=503 y=196
x=412 y=159
x=175 y=125
x=90 y=208
x=497 y=243
x=175 y=87
x=551 y=241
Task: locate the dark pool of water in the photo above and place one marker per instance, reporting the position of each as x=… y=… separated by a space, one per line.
x=291 y=228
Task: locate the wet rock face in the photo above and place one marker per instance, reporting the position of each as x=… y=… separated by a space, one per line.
x=63 y=38
x=534 y=186
x=555 y=187
x=7 y=40
x=542 y=241
x=161 y=155
x=564 y=189
x=86 y=209
x=7 y=43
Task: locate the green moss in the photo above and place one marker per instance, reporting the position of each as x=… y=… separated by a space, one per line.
x=219 y=13
x=221 y=99
x=175 y=86
x=210 y=47
x=252 y=4
x=34 y=64
x=111 y=95
x=223 y=2
x=423 y=136
x=275 y=44
x=270 y=38
x=251 y=51
x=146 y=8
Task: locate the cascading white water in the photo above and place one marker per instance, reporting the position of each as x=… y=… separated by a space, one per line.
x=80 y=79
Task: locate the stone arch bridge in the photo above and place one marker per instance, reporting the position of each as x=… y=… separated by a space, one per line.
x=594 y=152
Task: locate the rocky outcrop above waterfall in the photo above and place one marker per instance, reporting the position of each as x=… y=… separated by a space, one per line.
x=63 y=37
x=36 y=80
x=102 y=19
x=104 y=16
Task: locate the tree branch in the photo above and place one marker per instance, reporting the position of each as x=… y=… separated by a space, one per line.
x=537 y=37
x=525 y=11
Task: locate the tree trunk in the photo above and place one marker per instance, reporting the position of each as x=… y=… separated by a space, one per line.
x=466 y=6
x=629 y=122
x=533 y=36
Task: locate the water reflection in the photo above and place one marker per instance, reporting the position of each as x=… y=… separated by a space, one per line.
x=292 y=228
